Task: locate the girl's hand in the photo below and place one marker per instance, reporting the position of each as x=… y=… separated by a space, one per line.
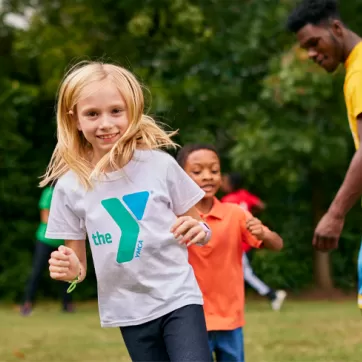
x=191 y=231
x=256 y=228
x=64 y=264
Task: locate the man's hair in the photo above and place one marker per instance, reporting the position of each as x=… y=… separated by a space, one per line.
x=312 y=12
x=185 y=151
x=235 y=180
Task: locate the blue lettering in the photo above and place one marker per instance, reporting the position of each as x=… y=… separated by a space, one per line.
x=139 y=248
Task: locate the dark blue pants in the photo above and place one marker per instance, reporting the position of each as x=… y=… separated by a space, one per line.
x=40 y=262
x=179 y=336
x=228 y=346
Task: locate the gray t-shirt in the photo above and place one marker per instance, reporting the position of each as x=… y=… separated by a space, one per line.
x=142 y=271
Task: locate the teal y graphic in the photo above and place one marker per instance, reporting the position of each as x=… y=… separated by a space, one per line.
x=127 y=222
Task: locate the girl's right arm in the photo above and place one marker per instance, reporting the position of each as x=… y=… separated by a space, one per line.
x=69 y=261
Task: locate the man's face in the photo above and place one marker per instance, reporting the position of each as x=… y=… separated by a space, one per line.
x=323 y=44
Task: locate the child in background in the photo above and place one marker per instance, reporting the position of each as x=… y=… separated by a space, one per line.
x=136 y=205
x=218 y=265
x=43 y=249
x=232 y=184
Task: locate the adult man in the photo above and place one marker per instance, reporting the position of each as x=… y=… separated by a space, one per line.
x=330 y=42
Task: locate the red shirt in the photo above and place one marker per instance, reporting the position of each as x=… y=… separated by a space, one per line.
x=244 y=199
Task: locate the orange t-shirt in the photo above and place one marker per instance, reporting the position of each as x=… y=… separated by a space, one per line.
x=218 y=266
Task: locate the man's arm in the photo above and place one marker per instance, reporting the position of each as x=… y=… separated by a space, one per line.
x=329 y=228
x=351 y=190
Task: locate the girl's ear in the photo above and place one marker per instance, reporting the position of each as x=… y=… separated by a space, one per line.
x=73 y=115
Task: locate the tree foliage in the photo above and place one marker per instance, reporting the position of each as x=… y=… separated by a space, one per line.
x=223 y=72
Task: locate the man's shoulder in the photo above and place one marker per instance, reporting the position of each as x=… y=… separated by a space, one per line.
x=353 y=77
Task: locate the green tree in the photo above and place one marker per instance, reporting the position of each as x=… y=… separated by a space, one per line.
x=221 y=72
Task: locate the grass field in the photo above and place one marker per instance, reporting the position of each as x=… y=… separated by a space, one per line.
x=302 y=332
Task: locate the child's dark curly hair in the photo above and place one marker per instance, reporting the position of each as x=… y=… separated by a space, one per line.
x=185 y=151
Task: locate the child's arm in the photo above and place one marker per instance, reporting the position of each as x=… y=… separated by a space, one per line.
x=44 y=215
x=79 y=248
x=69 y=262
x=192 y=228
x=193 y=213
x=270 y=239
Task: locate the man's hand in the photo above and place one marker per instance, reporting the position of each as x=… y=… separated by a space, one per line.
x=328 y=232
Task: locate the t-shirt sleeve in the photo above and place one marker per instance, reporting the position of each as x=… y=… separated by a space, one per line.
x=247 y=236
x=63 y=223
x=46 y=198
x=184 y=193
x=354 y=91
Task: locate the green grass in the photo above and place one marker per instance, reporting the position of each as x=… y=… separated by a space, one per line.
x=301 y=332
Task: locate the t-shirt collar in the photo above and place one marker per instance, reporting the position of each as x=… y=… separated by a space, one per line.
x=217 y=211
x=353 y=55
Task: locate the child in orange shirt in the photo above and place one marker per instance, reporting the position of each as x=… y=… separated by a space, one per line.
x=218 y=265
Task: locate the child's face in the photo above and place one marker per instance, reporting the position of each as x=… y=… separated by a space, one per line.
x=101 y=116
x=203 y=166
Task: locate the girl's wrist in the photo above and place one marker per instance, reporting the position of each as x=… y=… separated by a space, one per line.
x=207 y=231
x=75 y=281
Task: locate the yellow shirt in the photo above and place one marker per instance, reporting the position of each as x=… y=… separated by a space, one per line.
x=353 y=89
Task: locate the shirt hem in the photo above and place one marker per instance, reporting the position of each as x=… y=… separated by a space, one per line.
x=171 y=308
x=220 y=325
x=187 y=206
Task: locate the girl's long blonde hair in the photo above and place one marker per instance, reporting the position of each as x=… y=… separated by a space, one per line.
x=73 y=152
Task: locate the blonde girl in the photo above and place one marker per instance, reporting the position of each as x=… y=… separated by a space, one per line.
x=136 y=205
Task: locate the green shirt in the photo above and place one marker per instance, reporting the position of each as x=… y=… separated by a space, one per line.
x=44 y=204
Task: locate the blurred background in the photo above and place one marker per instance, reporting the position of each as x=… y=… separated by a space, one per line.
x=220 y=71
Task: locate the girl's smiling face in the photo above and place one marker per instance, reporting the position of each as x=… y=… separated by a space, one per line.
x=102 y=116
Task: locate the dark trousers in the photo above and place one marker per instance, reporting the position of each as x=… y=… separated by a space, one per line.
x=179 y=336
x=40 y=262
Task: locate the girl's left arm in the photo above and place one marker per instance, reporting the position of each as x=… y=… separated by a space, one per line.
x=192 y=213
x=192 y=228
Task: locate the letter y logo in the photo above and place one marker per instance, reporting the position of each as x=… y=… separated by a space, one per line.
x=127 y=222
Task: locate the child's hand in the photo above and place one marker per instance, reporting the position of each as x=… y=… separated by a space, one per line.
x=64 y=264
x=256 y=228
x=190 y=229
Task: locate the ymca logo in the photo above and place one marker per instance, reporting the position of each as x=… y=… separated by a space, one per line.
x=127 y=220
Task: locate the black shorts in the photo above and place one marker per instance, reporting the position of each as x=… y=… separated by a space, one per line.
x=178 y=336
